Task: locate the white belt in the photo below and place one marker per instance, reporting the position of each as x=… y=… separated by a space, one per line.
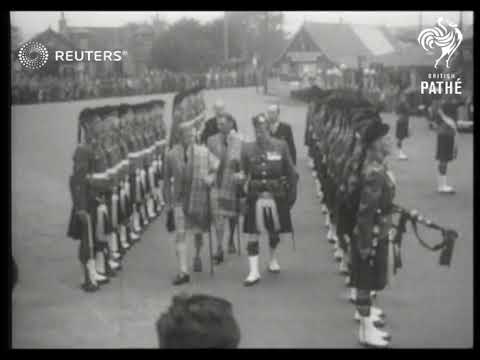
x=134 y=155
x=100 y=176
x=111 y=171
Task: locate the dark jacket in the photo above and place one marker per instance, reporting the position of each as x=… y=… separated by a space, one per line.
x=284 y=132
x=211 y=128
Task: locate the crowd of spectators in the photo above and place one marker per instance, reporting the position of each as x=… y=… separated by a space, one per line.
x=36 y=88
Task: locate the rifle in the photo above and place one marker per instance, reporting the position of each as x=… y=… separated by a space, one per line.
x=446 y=246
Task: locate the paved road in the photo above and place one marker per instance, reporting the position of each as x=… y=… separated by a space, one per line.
x=304 y=306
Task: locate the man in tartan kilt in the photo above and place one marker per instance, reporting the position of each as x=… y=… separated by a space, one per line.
x=189 y=170
x=271 y=188
x=227 y=146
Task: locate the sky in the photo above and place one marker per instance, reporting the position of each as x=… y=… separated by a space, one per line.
x=33 y=22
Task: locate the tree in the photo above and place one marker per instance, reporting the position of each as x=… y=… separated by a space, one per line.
x=185 y=46
x=16 y=37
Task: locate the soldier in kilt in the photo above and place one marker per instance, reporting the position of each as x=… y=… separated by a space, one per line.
x=127 y=235
x=370 y=239
x=160 y=138
x=81 y=224
x=402 y=130
x=113 y=156
x=446 y=149
x=271 y=188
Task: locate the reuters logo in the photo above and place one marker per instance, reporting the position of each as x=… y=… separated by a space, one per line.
x=33 y=55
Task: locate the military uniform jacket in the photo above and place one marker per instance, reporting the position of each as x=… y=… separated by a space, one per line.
x=100 y=180
x=374 y=218
x=267 y=166
x=79 y=188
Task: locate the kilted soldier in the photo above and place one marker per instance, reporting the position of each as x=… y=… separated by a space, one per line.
x=227 y=146
x=370 y=239
x=141 y=190
x=189 y=171
x=271 y=192
x=132 y=185
x=100 y=184
x=446 y=148
x=402 y=130
x=160 y=136
x=81 y=224
x=121 y=153
x=149 y=141
x=127 y=235
x=113 y=156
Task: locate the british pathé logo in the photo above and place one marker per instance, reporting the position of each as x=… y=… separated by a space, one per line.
x=440 y=83
x=448 y=40
x=33 y=55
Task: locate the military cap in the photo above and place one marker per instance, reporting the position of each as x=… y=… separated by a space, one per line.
x=375 y=131
x=198 y=321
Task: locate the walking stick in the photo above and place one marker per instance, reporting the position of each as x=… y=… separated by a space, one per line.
x=237 y=169
x=238 y=236
x=210 y=247
x=293 y=239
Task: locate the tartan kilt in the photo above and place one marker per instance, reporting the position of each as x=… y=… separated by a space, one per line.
x=445 y=147
x=249 y=222
x=401 y=130
x=370 y=277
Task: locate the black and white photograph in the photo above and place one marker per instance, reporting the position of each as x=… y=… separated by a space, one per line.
x=241 y=179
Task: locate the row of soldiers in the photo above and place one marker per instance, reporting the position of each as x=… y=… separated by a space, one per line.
x=115 y=184
x=348 y=146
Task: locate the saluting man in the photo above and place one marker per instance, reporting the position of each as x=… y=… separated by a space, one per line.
x=271 y=184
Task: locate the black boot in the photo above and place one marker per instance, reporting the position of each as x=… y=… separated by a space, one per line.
x=181 y=279
x=197 y=264
x=218 y=258
x=231 y=246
